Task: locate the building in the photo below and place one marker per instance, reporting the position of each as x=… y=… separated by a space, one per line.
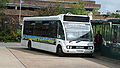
x=28 y=6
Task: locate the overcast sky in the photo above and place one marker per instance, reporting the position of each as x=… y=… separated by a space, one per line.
x=109 y=5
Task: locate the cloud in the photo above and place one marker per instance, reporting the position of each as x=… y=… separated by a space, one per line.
x=110 y=5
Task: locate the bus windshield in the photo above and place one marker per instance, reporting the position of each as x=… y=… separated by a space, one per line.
x=78 y=31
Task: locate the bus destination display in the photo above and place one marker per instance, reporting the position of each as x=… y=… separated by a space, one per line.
x=76 y=18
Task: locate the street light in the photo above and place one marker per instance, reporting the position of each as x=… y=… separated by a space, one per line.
x=21 y=2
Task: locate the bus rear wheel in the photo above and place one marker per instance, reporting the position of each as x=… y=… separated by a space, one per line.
x=29 y=45
x=60 y=51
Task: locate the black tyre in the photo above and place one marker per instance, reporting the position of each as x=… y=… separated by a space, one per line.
x=90 y=55
x=29 y=45
x=60 y=51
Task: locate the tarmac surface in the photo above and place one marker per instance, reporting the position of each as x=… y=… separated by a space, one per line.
x=13 y=55
x=8 y=60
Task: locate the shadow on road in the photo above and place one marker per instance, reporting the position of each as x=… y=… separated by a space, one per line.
x=42 y=52
x=33 y=51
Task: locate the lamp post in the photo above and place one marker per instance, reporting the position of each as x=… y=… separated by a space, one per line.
x=20 y=13
x=21 y=1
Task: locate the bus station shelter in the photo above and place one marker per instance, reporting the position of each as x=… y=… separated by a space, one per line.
x=110 y=30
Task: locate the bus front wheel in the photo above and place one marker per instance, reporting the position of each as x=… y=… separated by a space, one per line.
x=60 y=51
x=29 y=45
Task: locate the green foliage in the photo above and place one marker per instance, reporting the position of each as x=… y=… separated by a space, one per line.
x=78 y=8
x=11 y=36
x=9 y=31
x=115 y=15
x=3 y=4
x=94 y=11
x=50 y=10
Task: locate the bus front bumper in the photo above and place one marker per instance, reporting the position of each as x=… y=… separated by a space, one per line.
x=81 y=51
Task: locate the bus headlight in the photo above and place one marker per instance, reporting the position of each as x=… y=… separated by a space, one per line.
x=69 y=47
x=90 y=47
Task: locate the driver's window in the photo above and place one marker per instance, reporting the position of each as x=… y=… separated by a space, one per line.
x=60 y=31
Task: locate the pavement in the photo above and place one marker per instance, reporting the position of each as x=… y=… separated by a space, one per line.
x=10 y=44
x=8 y=60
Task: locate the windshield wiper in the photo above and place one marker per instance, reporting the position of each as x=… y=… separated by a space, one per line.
x=78 y=41
x=81 y=40
x=74 y=40
x=71 y=41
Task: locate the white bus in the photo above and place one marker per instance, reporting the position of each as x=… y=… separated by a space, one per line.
x=62 y=34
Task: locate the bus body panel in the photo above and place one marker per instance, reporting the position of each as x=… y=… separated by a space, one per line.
x=52 y=48
x=80 y=44
x=24 y=42
x=43 y=46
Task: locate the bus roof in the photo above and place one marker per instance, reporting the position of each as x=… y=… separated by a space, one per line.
x=58 y=17
x=41 y=18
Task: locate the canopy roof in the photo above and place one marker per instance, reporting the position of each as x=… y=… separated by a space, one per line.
x=106 y=21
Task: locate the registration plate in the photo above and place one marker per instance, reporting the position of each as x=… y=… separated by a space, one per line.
x=79 y=50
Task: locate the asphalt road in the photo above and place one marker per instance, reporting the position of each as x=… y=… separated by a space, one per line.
x=41 y=59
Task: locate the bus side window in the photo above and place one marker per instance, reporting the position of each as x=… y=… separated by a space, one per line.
x=60 y=31
x=29 y=27
x=53 y=29
x=46 y=29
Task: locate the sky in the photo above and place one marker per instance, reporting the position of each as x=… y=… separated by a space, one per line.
x=108 y=5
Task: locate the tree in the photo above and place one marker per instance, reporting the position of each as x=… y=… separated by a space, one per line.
x=3 y=4
x=78 y=8
x=115 y=15
x=50 y=10
x=2 y=8
x=94 y=11
x=8 y=28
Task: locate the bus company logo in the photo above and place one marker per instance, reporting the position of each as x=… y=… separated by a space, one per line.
x=39 y=39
